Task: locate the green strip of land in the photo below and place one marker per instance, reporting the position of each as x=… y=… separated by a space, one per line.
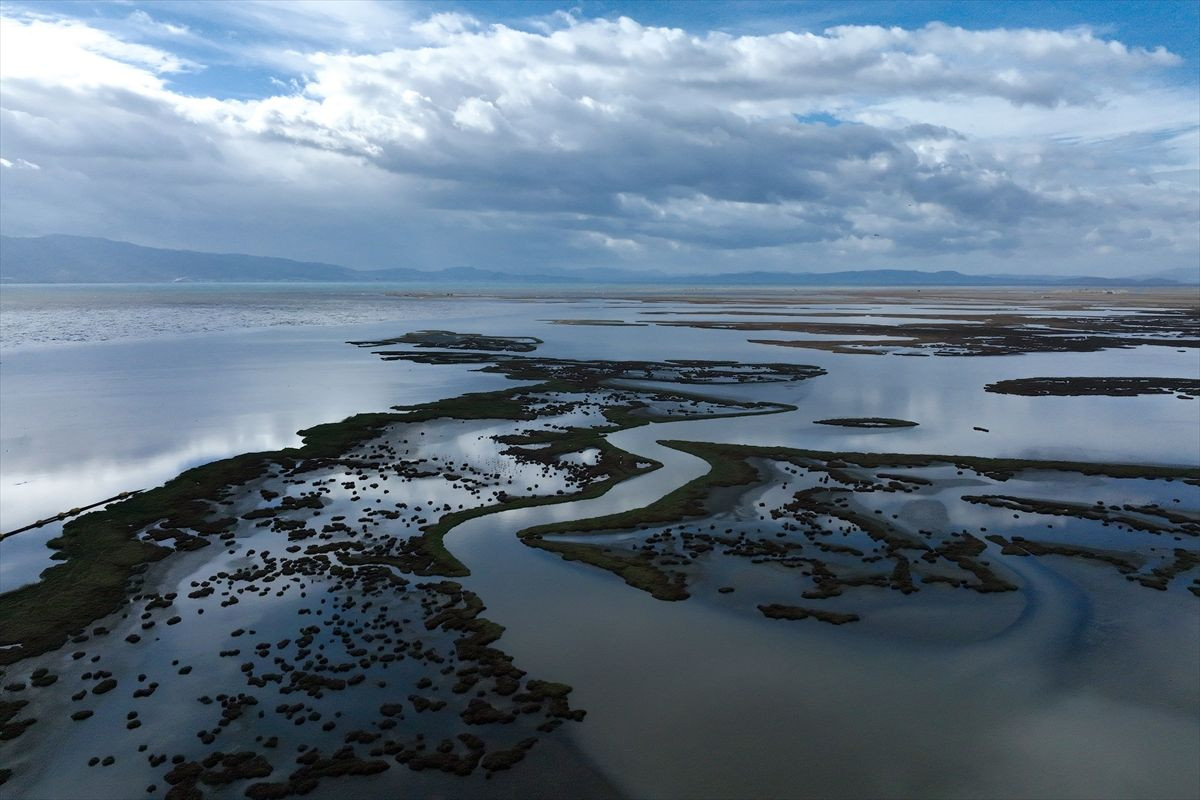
x=729 y=466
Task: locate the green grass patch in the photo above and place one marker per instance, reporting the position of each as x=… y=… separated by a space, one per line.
x=1000 y=468
x=729 y=466
x=637 y=571
x=617 y=464
x=99 y=551
x=686 y=501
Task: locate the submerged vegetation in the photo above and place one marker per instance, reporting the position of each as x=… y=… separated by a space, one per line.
x=548 y=434
x=844 y=511
x=100 y=551
x=375 y=656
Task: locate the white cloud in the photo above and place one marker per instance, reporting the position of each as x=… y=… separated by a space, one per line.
x=141 y=21
x=587 y=140
x=20 y=163
x=444 y=27
x=336 y=24
x=71 y=53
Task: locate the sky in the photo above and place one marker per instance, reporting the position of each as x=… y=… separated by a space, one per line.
x=668 y=137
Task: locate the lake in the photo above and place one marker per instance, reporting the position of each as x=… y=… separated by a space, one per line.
x=1077 y=682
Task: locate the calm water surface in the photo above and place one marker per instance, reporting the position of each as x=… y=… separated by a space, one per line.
x=111 y=389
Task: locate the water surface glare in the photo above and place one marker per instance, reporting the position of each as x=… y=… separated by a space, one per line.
x=1080 y=684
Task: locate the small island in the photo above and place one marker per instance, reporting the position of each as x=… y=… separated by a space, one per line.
x=866 y=422
x=1183 y=388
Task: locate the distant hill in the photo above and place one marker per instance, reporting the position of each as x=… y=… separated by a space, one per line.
x=82 y=259
x=79 y=259
x=1186 y=275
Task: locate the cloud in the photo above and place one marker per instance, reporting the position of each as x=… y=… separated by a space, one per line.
x=584 y=141
x=305 y=24
x=141 y=21
x=20 y=163
x=54 y=51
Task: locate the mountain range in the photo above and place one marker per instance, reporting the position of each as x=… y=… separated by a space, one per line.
x=80 y=259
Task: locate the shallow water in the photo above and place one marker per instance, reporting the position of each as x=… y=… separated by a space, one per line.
x=1076 y=686
x=32 y=315
x=689 y=701
x=82 y=423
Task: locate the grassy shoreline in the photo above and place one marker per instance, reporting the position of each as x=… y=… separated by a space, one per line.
x=100 y=551
x=729 y=466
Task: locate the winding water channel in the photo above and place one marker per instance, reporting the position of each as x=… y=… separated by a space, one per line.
x=687 y=700
x=1077 y=685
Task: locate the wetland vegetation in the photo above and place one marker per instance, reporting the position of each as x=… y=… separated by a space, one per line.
x=866 y=422
x=326 y=520
x=304 y=614
x=1066 y=322
x=1184 y=388
x=843 y=520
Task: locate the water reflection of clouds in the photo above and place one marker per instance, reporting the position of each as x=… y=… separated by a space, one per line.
x=37 y=493
x=82 y=424
x=790 y=706
x=784 y=706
